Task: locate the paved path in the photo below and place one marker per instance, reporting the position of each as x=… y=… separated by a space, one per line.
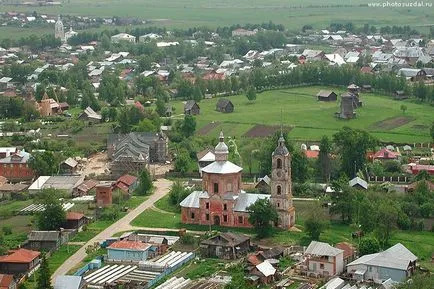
x=162 y=188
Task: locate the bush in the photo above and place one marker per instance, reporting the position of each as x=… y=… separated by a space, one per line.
x=110 y=214
x=7 y=230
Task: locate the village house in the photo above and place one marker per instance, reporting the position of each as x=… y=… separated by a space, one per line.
x=134 y=151
x=385 y=155
x=396 y=263
x=191 y=108
x=84 y=188
x=417 y=168
x=75 y=221
x=126 y=183
x=68 y=167
x=358 y=183
x=321 y=259
x=15 y=166
x=8 y=190
x=43 y=240
x=412 y=74
x=265 y=273
x=123 y=37
x=48 y=106
x=7 y=281
x=67 y=184
x=243 y=32
x=90 y=115
x=229 y=246
x=223 y=202
x=326 y=95
x=20 y=261
x=224 y=105
x=128 y=251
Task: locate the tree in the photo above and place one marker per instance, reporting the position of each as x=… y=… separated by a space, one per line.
x=261 y=215
x=145 y=125
x=316 y=221
x=44 y=276
x=342 y=199
x=188 y=126
x=54 y=216
x=324 y=161
x=403 y=108
x=352 y=146
x=387 y=218
x=368 y=245
x=160 y=107
x=145 y=183
x=251 y=94
x=182 y=162
x=44 y=163
x=177 y=194
x=197 y=93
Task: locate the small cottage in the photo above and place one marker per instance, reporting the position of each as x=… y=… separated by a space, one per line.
x=224 y=105
x=326 y=95
x=191 y=108
x=225 y=246
x=128 y=251
x=20 y=261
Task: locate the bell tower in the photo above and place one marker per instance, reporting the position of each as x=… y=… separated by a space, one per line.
x=281 y=185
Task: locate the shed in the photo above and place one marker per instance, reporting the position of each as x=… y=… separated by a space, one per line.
x=191 y=108
x=226 y=246
x=224 y=105
x=327 y=95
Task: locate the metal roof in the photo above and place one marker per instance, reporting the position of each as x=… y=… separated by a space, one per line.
x=358 y=181
x=322 y=249
x=222 y=167
x=245 y=200
x=266 y=268
x=68 y=282
x=192 y=200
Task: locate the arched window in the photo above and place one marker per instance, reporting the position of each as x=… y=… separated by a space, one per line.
x=279 y=163
x=279 y=190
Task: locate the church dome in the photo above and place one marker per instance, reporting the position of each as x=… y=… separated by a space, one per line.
x=281 y=148
x=221 y=150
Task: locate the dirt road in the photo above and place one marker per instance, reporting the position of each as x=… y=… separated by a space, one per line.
x=162 y=188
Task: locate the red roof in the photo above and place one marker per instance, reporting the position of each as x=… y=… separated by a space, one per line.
x=347 y=247
x=20 y=256
x=213 y=75
x=311 y=154
x=366 y=69
x=6 y=281
x=127 y=180
x=129 y=245
x=122 y=186
x=385 y=154
x=417 y=168
x=253 y=259
x=139 y=105
x=74 y=216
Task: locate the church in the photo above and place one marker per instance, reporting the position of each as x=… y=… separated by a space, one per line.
x=223 y=202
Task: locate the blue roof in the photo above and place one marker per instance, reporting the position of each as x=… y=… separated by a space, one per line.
x=68 y=282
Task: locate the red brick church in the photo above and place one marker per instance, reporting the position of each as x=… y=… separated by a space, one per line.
x=223 y=202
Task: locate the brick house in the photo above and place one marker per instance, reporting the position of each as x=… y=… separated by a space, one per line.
x=222 y=201
x=20 y=261
x=323 y=259
x=104 y=195
x=15 y=167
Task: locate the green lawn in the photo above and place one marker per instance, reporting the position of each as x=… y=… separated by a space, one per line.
x=188 y=13
x=9 y=207
x=163 y=204
x=311 y=119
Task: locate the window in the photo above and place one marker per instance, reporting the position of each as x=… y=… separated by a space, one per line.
x=229 y=187
x=225 y=207
x=240 y=219
x=279 y=190
x=207 y=217
x=192 y=215
x=278 y=205
x=225 y=218
x=321 y=266
x=206 y=205
x=216 y=188
x=279 y=163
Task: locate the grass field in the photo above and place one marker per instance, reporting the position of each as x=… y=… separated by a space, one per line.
x=189 y=13
x=310 y=119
